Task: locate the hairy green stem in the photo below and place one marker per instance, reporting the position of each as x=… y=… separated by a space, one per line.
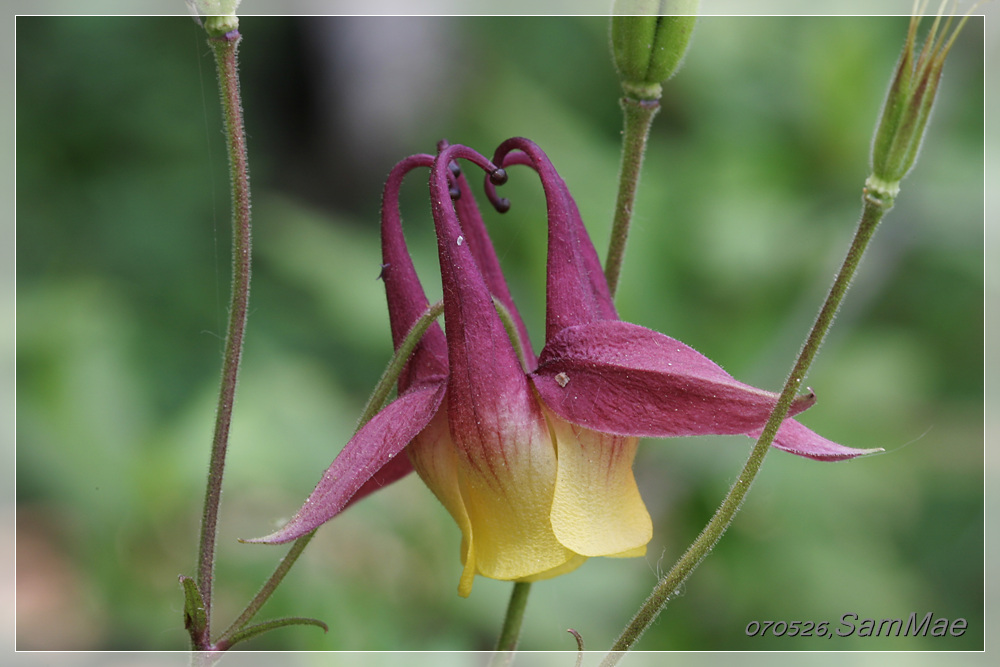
x=874 y=209
x=225 y=48
x=511 y=631
x=638 y=115
x=376 y=402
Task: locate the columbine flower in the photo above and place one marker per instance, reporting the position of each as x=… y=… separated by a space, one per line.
x=535 y=467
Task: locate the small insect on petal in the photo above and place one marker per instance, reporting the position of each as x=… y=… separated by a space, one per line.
x=562 y=379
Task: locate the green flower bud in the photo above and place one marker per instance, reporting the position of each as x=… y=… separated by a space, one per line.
x=908 y=106
x=648 y=41
x=220 y=15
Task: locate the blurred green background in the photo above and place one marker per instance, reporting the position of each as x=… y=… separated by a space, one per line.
x=747 y=203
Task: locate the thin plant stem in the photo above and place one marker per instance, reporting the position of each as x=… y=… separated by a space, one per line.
x=225 y=48
x=268 y=588
x=511 y=329
x=638 y=118
x=376 y=402
x=874 y=209
x=511 y=631
x=390 y=375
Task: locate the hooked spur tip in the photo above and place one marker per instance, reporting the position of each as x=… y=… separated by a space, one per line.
x=502 y=205
x=498 y=176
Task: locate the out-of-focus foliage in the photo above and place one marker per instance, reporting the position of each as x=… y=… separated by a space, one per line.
x=748 y=199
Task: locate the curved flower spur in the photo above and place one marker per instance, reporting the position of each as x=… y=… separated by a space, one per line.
x=535 y=468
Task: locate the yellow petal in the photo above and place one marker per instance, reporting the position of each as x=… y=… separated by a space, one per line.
x=508 y=499
x=638 y=552
x=501 y=505
x=596 y=508
x=576 y=561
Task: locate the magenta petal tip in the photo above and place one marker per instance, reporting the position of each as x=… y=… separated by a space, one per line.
x=797 y=439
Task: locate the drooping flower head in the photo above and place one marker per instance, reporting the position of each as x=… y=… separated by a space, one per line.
x=535 y=467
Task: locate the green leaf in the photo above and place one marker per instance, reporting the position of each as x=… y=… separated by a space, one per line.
x=195 y=618
x=260 y=628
